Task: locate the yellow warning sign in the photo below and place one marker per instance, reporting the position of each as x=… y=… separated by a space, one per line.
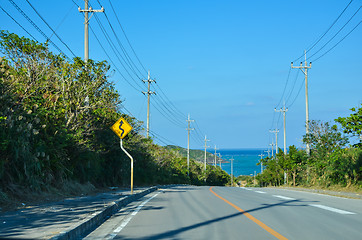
x=121 y=128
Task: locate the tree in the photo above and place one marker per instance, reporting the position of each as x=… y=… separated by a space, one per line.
x=353 y=124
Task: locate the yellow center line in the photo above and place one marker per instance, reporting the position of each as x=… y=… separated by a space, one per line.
x=248 y=215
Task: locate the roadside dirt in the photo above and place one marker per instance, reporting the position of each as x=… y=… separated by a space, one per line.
x=18 y=197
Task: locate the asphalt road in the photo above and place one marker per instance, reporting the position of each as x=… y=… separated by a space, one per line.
x=189 y=212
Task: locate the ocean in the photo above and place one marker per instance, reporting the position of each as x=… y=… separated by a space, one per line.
x=245 y=160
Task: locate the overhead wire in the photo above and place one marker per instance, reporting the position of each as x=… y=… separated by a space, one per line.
x=124 y=33
x=300 y=88
x=36 y=27
x=19 y=24
x=62 y=21
x=337 y=43
x=116 y=52
x=162 y=104
x=285 y=87
x=109 y=58
x=130 y=61
x=171 y=103
x=61 y=40
x=126 y=58
x=335 y=34
x=292 y=90
x=320 y=38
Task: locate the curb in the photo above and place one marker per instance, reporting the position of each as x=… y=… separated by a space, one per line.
x=98 y=218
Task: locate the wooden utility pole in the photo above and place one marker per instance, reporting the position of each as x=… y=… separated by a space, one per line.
x=206 y=140
x=305 y=71
x=276 y=139
x=188 y=143
x=284 y=110
x=87 y=10
x=149 y=93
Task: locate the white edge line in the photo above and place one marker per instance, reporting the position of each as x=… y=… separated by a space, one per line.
x=260 y=192
x=126 y=221
x=315 y=193
x=331 y=209
x=283 y=197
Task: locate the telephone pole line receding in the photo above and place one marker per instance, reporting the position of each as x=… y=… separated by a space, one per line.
x=188 y=143
x=87 y=10
x=215 y=157
x=261 y=163
x=206 y=140
x=305 y=71
x=232 y=172
x=272 y=145
x=149 y=93
x=268 y=151
x=276 y=139
x=284 y=110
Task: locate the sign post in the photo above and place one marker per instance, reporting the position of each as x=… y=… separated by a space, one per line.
x=122 y=128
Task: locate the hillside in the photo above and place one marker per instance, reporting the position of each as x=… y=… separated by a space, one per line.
x=196 y=154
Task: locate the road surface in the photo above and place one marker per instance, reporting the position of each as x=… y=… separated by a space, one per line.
x=190 y=212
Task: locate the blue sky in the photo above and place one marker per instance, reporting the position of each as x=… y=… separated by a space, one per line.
x=226 y=63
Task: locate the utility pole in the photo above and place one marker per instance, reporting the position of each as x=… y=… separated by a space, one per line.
x=272 y=145
x=254 y=178
x=232 y=172
x=276 y=139
x=149 y=93
x=305 y=71
x=86 y=23
x=206 y=140
x=220 y=160
x=268 y=152
x=284 y=110
x=188 y=143
x=261 y=163
x=215 y=157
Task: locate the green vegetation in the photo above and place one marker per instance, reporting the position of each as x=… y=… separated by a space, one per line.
x=55 y=116
x=198 y=155
x=330 y=163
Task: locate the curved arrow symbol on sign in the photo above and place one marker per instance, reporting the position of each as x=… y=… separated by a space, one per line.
x=120 y=125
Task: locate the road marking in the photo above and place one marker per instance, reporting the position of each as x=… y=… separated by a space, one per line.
x=246 y=188
x=331 y=209
x=248 y=215
x=260 y=192
x=282 y=197
x=129 y=217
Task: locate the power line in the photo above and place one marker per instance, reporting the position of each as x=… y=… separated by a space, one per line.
x=66 y=45
x=19 y=24
x=36 y=27
x=115 y=51
x=165 y=114
x=313 y=45
x=285 y=87
x=337 y=43
x=291 y=92
x=131 y=64
x=110 y=59
x=166 y=107
x=159 y=136
x=61 y=22
x=126 y=36
x=182 y=115
x=335 y=34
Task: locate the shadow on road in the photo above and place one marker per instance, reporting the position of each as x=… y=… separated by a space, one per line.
x=173 y=233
